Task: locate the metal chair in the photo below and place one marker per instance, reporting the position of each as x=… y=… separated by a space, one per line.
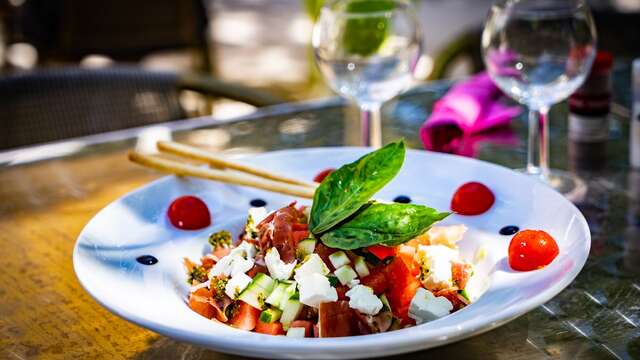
x=49 y=105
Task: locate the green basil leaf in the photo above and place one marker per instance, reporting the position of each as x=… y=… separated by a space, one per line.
x=345 y=190
x=385 y=224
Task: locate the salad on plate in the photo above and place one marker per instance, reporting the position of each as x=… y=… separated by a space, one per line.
x=346 y=265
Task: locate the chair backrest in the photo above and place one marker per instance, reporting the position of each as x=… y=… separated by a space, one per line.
x=50 y=105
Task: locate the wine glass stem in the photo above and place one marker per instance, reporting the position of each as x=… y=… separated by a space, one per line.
x=538 y=154
x=371 y=125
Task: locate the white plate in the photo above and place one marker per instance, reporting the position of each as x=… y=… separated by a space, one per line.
x=155 y=296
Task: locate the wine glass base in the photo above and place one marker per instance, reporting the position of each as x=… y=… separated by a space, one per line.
x=566 y=183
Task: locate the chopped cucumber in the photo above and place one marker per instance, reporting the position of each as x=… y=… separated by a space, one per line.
x=339 y=259
x=361 y=266
x=270 y=315
x=385 y=303
x=258 y=290
x=465 y=294
x=292 y=309
x=345 y=274
x=305 y=247
x=281 y=293
x=297 y=332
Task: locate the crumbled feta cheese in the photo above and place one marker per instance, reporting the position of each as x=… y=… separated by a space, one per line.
x=245 y=249
x=231 y=265
x=278 y=269
x=426 y=307
x=313 y=264
x=296 y=332
x=315 y=289
x=446 y=235
x=364 y=300
x=236 y=284
x=436 y=265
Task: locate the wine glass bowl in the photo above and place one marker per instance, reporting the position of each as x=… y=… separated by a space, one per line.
x=539 y=52
x=367 y=51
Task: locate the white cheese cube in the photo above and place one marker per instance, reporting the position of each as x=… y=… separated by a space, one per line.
x=313 y=264
x=426 y=307
x=363 y=299
x=345 y=274
x=296 y=332
x=446 y=235
x=339 y=259
x=278 y=269
x=231 y=265
x=436 y=263
x=236 y=284
x=245 y=250
x=316 y=289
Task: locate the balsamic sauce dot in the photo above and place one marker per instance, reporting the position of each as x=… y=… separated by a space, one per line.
x=402 y=199
x=147 y=260
x=257 y=203
x=509 y=230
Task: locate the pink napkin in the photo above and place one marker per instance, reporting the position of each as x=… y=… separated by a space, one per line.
x=463 y=114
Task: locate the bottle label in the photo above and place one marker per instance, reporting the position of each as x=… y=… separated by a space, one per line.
x=588 y=128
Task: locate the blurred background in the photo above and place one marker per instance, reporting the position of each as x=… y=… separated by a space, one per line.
x=234 y=46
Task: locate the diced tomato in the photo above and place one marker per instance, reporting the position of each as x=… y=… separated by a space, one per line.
x=207 y=262
x=324 y=252
x=307 y=325
x=402 y=286
x=274 y=328
x=316 y=331
x=382 y=252
x=342 y=291
x=199 y=302
x=453 y=297
x=407 y=254
x=460 y=273
x=299 y=226
x=376 y=280
x=256 y=269
x=299 y=235
x=245 y=317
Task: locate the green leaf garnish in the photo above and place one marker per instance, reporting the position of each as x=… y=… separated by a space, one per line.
x=347 y=189
x=385 y=224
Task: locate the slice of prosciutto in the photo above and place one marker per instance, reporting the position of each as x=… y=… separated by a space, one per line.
x=277 y=230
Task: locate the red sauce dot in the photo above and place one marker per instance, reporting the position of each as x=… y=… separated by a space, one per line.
x=189 y=213
x=323 y=174
x=472 y=198
x=531 y=250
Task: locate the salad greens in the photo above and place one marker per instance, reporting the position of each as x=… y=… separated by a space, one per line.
x=384 y=224
x=342 y=216
x=347 y=189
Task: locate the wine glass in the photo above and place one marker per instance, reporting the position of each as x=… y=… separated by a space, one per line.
x=539 y=52
x=367 y=50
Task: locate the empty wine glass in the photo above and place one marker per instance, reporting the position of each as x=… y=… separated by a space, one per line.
x=367 y=50
x=539 y=52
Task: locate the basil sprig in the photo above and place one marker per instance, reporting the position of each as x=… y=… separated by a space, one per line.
x=347 y=189
x=384 y=224
x=342 y=216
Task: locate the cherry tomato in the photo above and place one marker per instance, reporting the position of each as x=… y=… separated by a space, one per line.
x=472 y=198
x=189 y=213
x=531 y=250
x=323 y=174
